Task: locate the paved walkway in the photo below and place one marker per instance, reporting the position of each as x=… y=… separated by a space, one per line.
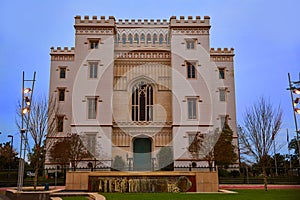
x=58 y=193
x=92 y=195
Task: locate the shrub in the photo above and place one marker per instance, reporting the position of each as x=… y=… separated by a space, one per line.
x=118 y=163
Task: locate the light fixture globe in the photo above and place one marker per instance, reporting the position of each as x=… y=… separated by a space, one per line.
x=296 y=91
x=27 y=90
x=25 y=110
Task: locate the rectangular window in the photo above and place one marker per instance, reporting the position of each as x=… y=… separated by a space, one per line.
x=94 y=44
x=190 y=44
x=62 y=72
x=93 y=70
x=222 y=94
x=91 y=143
x=191 y=70
x=61 y=94
x=221 y=73
x=60 y=123
x=92 y=107
x=192 y=107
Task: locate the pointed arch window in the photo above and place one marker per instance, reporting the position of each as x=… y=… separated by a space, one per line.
x=161 y=38
x=130 y=39
x=154 y=39
x=136 y=38
x=143 y=38
x=142 y=102
x=148 y=38
x=123 y=38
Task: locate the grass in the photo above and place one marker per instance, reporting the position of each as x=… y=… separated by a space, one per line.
x=289 y=194
x=75 y=198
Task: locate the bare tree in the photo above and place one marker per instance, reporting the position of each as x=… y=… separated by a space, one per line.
x=262 y=123
x=69 y=149
x=39 y=125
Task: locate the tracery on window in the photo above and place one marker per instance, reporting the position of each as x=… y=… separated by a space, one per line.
x=142 y=102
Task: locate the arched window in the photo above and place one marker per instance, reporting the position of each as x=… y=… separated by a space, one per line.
x=136 y=38
x=130 y=39
x=143 y=38
x=154 y=38
x=148 y=38
x=167 y=39
x=161 y=38
x=123 y=38
x=142 y=102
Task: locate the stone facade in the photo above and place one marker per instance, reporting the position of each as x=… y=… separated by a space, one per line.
x=131 y=87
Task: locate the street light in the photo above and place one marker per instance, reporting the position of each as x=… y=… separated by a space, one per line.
x=25 y=110
x=10 y=154
x=12 y=141
x=294 y=87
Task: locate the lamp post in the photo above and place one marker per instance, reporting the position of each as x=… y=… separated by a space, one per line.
x=294 y=87
x=25 y=114
x=10 y=154
x=12 y=141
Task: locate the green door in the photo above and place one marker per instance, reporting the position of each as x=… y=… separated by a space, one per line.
x=142 y=154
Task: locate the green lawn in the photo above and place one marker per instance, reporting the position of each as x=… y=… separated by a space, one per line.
x=289 y=194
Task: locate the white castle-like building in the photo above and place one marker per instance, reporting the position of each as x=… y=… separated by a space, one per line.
x=131 y=87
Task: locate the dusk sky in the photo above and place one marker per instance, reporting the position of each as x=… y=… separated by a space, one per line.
x=264 y=34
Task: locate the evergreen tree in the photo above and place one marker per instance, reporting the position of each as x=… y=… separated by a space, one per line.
x=224 y=150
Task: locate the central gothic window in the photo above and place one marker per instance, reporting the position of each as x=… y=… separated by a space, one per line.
x=142 y=102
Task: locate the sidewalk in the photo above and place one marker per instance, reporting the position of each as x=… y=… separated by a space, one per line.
x=56 y=193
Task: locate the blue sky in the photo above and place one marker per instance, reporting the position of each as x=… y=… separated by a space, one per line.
x=265 y=35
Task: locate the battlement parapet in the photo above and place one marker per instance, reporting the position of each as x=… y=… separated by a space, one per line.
x=189 y=22
x=95 y=21
x=143 y=22
x=222 y=55
x=220 y=51
x=65 y=50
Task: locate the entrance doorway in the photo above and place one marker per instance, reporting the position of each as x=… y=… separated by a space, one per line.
x=142 y=154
